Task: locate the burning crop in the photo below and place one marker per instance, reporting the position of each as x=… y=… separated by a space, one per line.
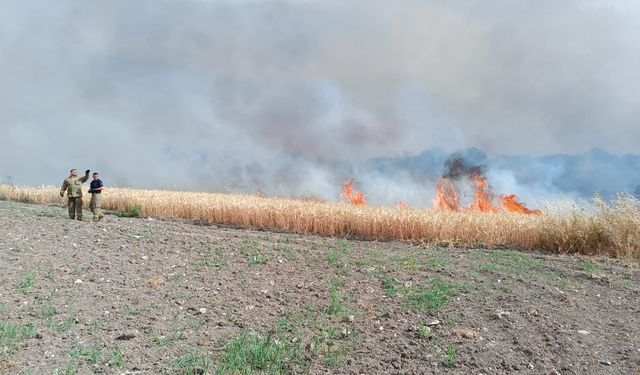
x=608 y=229
x=448 y=198
x=356 y=198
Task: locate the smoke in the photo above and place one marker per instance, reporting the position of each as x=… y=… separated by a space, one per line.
x=296 y=97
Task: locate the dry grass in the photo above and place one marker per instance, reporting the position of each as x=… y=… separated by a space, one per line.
x=608 y=229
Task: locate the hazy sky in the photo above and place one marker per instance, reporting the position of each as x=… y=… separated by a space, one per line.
x=271 y=95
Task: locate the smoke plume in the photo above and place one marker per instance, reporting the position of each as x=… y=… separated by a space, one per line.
x=293 y=98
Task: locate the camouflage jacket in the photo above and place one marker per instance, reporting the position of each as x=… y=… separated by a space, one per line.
x=73 y=186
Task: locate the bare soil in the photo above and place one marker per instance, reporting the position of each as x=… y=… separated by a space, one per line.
x=145 y=296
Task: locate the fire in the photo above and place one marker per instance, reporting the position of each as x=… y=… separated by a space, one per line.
x=356 y=198
x=447 y=198
x=402 y=205
x=510 y=203
x=484 y=195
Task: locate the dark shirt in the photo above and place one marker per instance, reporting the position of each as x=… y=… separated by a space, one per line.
x=96 y=184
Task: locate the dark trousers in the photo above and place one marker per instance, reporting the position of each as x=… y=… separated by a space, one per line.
x=75 y=208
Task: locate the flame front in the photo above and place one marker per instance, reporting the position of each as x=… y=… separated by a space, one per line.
x=511 y=204
x=483 y=194
x=356 y=198
x=447 y=198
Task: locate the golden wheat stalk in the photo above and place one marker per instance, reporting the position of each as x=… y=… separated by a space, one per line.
x=612 y=230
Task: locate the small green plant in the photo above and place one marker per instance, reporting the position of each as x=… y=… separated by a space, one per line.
x=64 y=326
x=214 y=258
x=437 y=262
x=196 y=325
x=12 y=334
x=335 y=307
x=49 y=274
x=252 y=354
x=389 y=286
x=433 y=298
x=117 y=358
x=47 y=312
x=404 y=263
x=93 y=326
x=27 y=283
x=452 y=320
x=194 y=363
x=160 y=340
x=257 y=258
x=288 y=324
x=71 y=369
x=589 y=267
x=286 y=252
x=424 y=332
x=450 y=359
x=336 y=356
x=132 y=311
x=334 y=257
x=92 y=354
x=178 y=335
x=133 y=211
x=344 y=245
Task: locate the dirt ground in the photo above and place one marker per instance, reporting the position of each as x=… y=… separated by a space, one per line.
x=145 y=296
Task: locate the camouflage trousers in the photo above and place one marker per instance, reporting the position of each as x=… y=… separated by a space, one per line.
x=94 y=206
x=75 y=208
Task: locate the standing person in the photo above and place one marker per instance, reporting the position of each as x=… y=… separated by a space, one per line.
x=96 y=197
x=73 y=186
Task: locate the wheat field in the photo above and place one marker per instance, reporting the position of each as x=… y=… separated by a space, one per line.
x=608 y=229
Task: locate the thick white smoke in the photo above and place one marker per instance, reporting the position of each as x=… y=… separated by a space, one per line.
x=295 y=97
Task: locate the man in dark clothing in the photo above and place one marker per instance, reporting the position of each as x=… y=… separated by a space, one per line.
x=96 y=197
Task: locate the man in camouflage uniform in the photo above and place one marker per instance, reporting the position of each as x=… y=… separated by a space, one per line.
x=73 y=187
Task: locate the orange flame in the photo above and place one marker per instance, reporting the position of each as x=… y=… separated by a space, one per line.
x=511 y=204
x=484 y=196
x=356 y=198
x=447 y=198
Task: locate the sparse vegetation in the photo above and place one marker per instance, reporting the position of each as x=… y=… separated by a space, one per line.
x=450 y=359
x=432 y=297
x=250 y=353
x=12 y=334
x=589 y=267
x=196 y=299
x=27 y=283
x=194 y=363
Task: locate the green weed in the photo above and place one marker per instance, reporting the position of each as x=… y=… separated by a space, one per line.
x=450 y=359
x=589 y=267
x=117 y=358
x=433 y=298
x=27 y=283
x=389 y=286
x=257 y=258
x=194 y=363
x=250 y=353
x=92 y=354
